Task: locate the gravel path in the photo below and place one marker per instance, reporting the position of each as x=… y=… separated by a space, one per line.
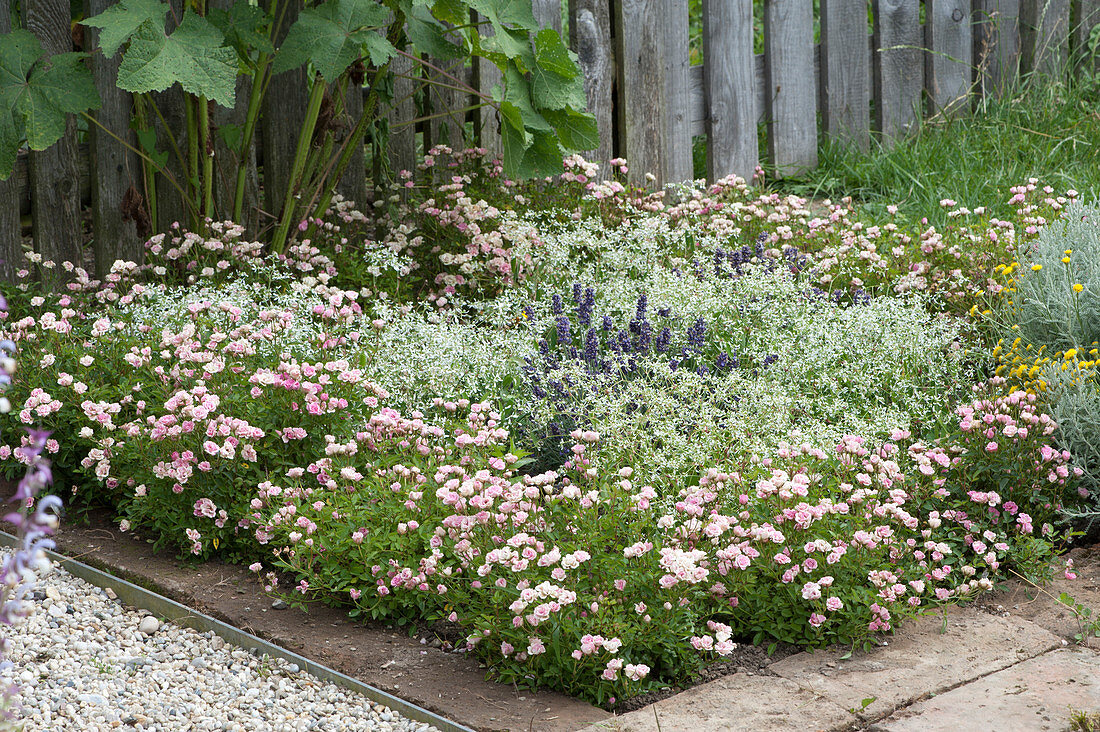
x=85 y=662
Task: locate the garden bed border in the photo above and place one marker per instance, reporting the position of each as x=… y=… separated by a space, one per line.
x=163 y=607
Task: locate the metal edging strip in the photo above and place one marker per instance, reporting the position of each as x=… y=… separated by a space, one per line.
x=163 y=607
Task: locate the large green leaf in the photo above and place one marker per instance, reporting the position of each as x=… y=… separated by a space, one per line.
x=333 y=35
x=37 y=94
x=193 y=56
x=119 y=22
x=513 y=13
x=429 y=36
x=576 y=130
x=245 y=28
x=61 y=86
x=552 y=55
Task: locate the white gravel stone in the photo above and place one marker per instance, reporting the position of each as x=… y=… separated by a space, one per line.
x=87 y=663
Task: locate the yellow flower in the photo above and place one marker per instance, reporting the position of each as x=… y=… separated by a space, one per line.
x=1036 y=267
x=1065 y=260
x=1069 y=252
x=1070 y=353
x=1078 y=287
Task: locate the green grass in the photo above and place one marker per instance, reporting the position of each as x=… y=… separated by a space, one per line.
x=1049 y=132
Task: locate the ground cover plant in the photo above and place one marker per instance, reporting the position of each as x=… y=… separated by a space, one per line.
x=605 y=434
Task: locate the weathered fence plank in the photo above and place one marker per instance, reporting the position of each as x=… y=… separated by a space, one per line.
x=996 y=45
x=676 y=162
x=949 y=41
x=790 y=91
x=898 y=68
x=1044 y=36
x=1086 y=17
x=402 y=147
x=845 y=79
x=353 y=183
x=487 y=133
x=547 y=13
x=171 y=205
x=53 y=174
x=639 y=86
x=120 y=218
x=729 y=88
x=226 y=161
x=590 y=39
x=284 y=113
x=11 y=235
x=448 y=102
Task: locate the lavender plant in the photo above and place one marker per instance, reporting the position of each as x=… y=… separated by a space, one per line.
x=17 y=573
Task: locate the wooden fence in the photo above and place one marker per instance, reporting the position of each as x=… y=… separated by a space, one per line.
x=852 y=71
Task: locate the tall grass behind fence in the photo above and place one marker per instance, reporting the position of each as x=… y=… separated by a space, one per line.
x=849 y=70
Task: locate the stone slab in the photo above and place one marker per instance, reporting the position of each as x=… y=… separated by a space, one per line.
x=1037 y=694
x=926 y=657
x=733 y=703
x=1041 y=606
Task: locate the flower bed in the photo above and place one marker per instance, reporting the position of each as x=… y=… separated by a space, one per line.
x=608 y=435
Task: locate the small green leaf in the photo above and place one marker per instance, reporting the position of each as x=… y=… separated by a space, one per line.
x=231 y=135
x=119 y=22
x=192 y=56
x=333 y=35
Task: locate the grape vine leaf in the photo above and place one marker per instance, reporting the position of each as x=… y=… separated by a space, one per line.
x=333 y=35
x=37 y=93
x=193 y=56
x=119 y=22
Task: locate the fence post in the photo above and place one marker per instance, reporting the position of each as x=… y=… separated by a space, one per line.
x=1086 y=17
x=171 y=206
x=845 y=78
x=996 y=45
x=1044 y=36
x=590 y=39
x=448 y=101
x=401 y=147
x=898 y=71
x=729 y=86
x=52 y=173
x=11 y=234
x=638 y=42
x=487 y=119
x=950 y=52
x=281 y=120
x=675 y=106
x=116 y=173
x=353 y=183
x=547 y=13
x=789 y=86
